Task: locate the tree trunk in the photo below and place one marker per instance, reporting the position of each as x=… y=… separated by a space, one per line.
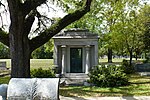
x=20 y=57
x=109 y=55
x=136 y=56
x=19 y=47
x=130 y=52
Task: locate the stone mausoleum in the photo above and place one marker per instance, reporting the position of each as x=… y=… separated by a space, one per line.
x=75 y=51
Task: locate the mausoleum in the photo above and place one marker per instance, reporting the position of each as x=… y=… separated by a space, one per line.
x=75 y=51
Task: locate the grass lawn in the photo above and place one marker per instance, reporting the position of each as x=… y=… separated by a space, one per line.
x=47 y=63
x=43 y=63
x=116 y=60
x=140 y=86
x=4 y=80
x=35 y=63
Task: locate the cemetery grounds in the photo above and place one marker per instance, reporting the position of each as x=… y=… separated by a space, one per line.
x=140 y=85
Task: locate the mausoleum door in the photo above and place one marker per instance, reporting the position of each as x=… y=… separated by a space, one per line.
x=76 y=60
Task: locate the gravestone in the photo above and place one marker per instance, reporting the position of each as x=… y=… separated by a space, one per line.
x=142 y=67
x=33 y=89
x=3 y=91
x=3 y=66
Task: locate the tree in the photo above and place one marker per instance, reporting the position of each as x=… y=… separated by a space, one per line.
x=4 y=52
x=22 y=16
x=144 y=15
x=130 y=30
x=103 y=20
x=44 y=52
x=103 y=16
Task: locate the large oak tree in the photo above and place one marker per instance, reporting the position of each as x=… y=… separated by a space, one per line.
x=22 y=16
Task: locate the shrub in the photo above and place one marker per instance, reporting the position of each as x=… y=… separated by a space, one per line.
x=127 y=68
x=108 y=76
x=40 y=73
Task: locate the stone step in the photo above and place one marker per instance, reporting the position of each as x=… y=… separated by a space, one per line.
x=74 y=82
x=76 y=75
x=74 y=79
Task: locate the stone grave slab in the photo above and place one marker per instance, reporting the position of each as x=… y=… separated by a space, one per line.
x=33 y=89
x=142 y=67
x=3 y=66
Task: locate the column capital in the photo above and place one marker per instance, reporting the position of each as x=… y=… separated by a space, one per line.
x=63 y=46
x=87 y=46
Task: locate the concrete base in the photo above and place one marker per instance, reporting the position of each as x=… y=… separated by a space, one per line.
x=74 y=79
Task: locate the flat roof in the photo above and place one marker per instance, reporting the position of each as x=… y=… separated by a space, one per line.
x=76 y=33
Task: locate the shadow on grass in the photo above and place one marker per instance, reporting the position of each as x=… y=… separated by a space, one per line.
x=134 y=89
x=71 y=98
x=129 y=98
x=140 y=83
x=83 y=91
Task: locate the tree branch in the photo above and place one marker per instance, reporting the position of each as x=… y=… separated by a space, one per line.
x=59 y=25
x=28 y=23
x=4 y=37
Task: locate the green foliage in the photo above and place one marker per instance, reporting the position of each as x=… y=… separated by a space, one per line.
x=44 y=52
x=40 y=73
x=4 y=51
x=145 y=19
x=147 y=60
x=108 y=76
x=126 y=67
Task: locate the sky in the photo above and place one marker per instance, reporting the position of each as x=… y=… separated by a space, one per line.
x=53 y=11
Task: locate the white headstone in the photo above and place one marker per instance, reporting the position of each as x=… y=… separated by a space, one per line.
x=1 y=98
x=3 y=91
x=33 y=89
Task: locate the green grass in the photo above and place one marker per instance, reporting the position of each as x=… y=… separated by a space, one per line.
x=113 y=60
x=35 y=63
x=116 y=60
x=140 y=86
x=4 y=80
x=43 y=63
x=47 y=63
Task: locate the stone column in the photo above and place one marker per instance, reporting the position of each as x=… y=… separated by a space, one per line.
x=87 y=59
x=96 y=54
x=55 y=55
x=63 y=58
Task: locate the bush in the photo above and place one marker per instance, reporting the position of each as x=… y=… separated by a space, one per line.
x=4 y=52
x=40 y=73
x=108 y=76
x=127 y=68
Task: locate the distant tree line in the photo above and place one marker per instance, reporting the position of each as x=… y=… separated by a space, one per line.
x=123 y=27
x=43 y=52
